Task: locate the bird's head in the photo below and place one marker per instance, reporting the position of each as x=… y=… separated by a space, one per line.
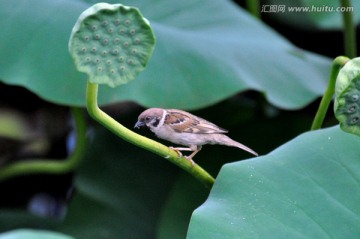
x=150 y=118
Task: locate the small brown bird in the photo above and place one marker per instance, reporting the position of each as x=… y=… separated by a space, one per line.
x=183 y=128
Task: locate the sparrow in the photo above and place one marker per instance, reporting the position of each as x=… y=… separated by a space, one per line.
x=183 y=128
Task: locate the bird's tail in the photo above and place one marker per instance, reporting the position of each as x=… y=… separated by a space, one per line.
x=229 y=142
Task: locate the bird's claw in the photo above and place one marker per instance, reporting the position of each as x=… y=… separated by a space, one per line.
x=181 y=155
x=177 y=151
x=190 y=160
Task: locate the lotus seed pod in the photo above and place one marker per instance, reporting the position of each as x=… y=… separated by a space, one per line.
x=112 y=43
x=347 y=100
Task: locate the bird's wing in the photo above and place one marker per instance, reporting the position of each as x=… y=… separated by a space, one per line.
x=182 y=121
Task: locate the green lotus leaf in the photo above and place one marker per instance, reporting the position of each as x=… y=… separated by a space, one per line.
x=32 y=234
x=201 y=57
x=307 y=188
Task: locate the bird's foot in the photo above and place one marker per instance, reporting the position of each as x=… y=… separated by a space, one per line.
x=177 y=151
x=189 y=158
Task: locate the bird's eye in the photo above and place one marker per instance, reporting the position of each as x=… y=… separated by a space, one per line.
x=147 y=118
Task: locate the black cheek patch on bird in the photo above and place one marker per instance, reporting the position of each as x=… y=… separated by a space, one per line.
x=156 y=122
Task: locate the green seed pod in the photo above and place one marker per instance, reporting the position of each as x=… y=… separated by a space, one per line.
x=112 y=43
x=347 y=100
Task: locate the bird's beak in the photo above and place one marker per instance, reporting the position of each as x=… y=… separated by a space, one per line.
x=139 y=124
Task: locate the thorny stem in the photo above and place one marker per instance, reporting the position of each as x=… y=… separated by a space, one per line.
x=141 y=141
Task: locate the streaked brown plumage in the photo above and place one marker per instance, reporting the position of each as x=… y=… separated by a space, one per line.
x=183 y=128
